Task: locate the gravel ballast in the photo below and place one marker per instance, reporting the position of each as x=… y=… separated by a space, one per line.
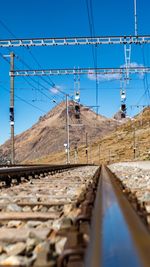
x=135 y=178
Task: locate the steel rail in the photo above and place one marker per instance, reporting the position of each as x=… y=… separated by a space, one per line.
x=10 y=172
x=118 y=236
x=83 y=71
x=98 y=40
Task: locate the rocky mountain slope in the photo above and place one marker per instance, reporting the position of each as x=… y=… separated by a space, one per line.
x=130 y=141
x=127 y=142
x=48 y=135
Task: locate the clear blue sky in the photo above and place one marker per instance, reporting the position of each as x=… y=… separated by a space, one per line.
x=61 y=18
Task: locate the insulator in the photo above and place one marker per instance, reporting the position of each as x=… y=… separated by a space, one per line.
x=123 y=95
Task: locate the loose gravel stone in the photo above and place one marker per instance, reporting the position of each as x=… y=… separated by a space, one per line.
x=1 y=249
x=135 y=177
x=14 y=224
x=26 y=209
x=43 y=209
x=15 y=249
x=43 y=255
x=10 y=261
x=15 y=261
x=3 y=257
x=67 y=209
x=13 y=207
x=30 y=244
x=36 y=208
x=59 y=245
x=33 y=224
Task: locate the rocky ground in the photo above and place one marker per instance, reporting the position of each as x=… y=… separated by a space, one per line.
x=135 y=177
x=34 y=212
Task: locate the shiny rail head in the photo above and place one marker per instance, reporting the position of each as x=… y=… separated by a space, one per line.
x=118 y=236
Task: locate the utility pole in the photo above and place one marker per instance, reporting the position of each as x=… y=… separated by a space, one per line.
x=87 y=159
x=90 y=153
x=12 y=55
x=134 y=145
x=109 y=156
x=99 y=152
x=67 y=130
x=75 y=154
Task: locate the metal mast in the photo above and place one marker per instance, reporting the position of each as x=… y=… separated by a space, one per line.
x=67 y=131
x=135 y=18
x=127 y=53
x=125 y=79
x=12 y=55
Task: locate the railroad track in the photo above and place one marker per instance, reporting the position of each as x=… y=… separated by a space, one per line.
x=39 y=208
x=119 y=237
x=73 y=216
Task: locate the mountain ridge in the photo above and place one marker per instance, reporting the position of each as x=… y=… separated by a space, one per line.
x=48 y=134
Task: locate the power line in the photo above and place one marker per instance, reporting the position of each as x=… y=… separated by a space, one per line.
x=22 y=61
x=30 y=82
x=31 y=53
x=23 y=100
x=6 y=28
x=28 y=66
x=6 y=59
x=27 y=48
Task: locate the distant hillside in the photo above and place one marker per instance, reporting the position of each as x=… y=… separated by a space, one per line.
x=48 y=135
x=129 y=141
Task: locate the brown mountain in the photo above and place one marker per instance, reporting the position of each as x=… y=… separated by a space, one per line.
x=48 y=135
x=129 y=141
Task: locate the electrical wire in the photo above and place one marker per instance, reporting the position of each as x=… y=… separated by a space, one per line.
x=51 y=83
x=30 y=82
x=24 y=63
x=23 y=100
x=28 y=49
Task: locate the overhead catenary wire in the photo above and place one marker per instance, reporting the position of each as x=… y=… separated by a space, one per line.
x=90 y=5
x=27 y=48
x=24 y=100
x=6 y=59
x=50 y=83
x=32 y=86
